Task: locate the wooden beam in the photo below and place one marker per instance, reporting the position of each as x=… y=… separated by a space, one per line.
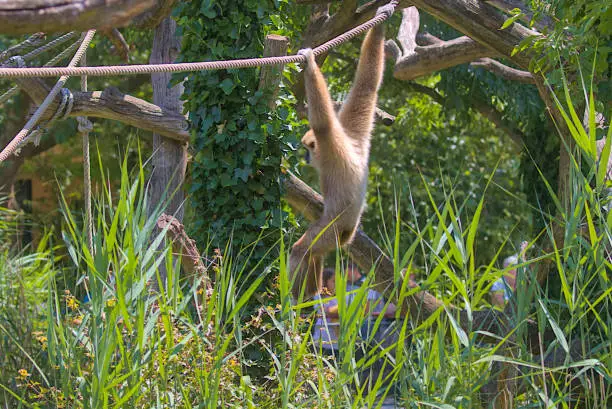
x=270 y=76
x=113 y=104
x=29 y=16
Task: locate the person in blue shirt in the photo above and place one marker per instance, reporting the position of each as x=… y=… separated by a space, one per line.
x=326 y=328
x=501 y=291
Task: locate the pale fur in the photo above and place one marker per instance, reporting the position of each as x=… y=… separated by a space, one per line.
x=339 y=146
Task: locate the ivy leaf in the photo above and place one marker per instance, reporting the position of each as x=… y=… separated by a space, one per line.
x=242 y=174
x=227 y=85
x=226 y=180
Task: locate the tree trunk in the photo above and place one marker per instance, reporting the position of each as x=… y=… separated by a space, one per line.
x=169 y=156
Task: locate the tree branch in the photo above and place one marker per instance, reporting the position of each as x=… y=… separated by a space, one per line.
x=437 y=54
x=508 y=73
x=182 y=245
x=121 y=46
x=495 y=117
x=415 y=61
x=349 y=6
x=155 y=15
x=428 y=39
x=112 y=104
x=432 y=93
x=29 y=16
x=482 y=22
x=489 y=112
x=428 y=59
x=408 y=30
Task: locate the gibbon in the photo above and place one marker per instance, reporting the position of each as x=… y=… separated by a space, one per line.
x=339 y=146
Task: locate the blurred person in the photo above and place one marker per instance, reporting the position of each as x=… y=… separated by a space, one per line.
x=327 y=326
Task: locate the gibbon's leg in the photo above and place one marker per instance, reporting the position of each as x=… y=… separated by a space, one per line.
x=357 y=113
x=306 y=259
x=321 y=115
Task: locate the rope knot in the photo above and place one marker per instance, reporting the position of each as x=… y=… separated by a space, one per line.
x=85 y=125
x=65 y=106
x=17 y=61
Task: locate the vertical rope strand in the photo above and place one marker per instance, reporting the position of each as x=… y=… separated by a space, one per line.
x=85 y=127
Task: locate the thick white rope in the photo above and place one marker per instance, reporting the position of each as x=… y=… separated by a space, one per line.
x=198 y=66
x=64 y=54
x=19 y=138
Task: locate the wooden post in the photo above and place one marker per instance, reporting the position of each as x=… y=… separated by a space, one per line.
x=169 y=156
x=270 y=75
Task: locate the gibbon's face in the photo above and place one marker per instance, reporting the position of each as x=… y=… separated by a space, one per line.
x=310 y=143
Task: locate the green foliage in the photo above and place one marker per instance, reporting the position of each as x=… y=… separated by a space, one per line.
x=518 y=104
x=186 y=347
x=445 y=195
x=239 y=141
x=580 y=37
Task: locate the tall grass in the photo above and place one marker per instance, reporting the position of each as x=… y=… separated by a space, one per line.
x=113 y=340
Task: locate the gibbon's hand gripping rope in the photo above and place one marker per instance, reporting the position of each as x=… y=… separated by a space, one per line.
x=101 y=71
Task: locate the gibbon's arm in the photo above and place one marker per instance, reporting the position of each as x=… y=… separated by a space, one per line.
x=321 y=114
x=357 y=113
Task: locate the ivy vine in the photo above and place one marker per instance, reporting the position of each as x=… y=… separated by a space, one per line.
x=238 y=142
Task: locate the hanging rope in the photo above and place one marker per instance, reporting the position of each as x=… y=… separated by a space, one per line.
x=85 y=126
x=64 y=54
x=32 y=41
x=19 y=138
x=49 y=46
x=194 y=66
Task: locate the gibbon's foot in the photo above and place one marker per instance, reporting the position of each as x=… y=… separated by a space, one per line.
x=387 y=9
x=308 y=53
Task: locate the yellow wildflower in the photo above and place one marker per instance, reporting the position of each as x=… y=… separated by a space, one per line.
x=72 y=303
